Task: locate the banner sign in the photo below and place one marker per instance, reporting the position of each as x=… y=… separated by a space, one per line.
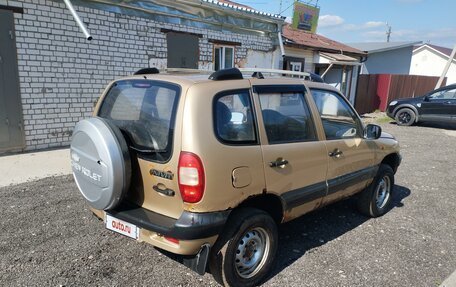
x=305 y=17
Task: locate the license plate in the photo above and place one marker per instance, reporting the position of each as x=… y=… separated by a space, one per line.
x=122 y=227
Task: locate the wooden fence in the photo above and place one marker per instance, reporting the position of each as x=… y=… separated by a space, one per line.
x=374 y=92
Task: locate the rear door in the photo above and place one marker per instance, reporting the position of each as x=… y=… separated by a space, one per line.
x=145 y=111
x=295 y=161
x=351 y=157
x=11 y=132
x=439 y=106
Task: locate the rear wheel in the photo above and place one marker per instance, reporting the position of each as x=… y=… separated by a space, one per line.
x=244 y=253
x=405 y=117
x=375 y=200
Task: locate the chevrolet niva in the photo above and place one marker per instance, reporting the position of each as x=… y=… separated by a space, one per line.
x=207 y=167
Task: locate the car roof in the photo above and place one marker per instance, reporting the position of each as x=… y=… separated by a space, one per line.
x=189 y=79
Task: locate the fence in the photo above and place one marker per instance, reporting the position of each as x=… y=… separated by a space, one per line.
x=375 y=91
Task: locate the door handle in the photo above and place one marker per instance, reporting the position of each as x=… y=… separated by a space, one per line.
x=166 y=191
x=280 y=162
x=336 y=153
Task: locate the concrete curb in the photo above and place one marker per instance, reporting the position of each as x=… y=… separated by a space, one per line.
x=20 y=168
x=450 y=281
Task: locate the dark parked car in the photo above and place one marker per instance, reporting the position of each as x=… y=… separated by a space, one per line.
x=436 y=106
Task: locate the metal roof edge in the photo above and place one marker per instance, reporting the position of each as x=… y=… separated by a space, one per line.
x=408 y=44
x=434 y=50
x=245 y=10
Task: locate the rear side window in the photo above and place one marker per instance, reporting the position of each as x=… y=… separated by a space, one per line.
x=233 y=118
x=144 y=111
x=286 y=117
x=339 y=120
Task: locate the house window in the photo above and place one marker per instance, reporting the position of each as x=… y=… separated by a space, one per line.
x=183 y=50
x=224 y=57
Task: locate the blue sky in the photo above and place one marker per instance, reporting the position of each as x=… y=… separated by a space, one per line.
x=365 y=21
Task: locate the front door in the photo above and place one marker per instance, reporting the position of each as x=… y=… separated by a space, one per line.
x=295 y=161
x=11 y=133
x=351 y=157
x=439 y=106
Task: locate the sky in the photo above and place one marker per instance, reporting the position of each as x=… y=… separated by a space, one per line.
x=349 y=21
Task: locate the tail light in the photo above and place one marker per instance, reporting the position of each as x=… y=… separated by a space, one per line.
x=191 y=177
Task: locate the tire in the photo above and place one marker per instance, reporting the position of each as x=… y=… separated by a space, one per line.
x=405 y=117
x=376 y=199
x=247 y=230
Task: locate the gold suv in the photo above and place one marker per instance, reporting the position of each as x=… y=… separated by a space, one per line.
x=207 y=167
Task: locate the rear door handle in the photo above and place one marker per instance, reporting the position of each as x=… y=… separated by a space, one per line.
x=336 y=153
x=280 y=162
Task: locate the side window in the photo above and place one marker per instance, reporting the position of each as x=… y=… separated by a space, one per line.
x=286 y=117
x=339 y=120
x=444 y=95
x=233 y=118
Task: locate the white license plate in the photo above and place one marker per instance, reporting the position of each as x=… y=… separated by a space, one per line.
x=122 y=227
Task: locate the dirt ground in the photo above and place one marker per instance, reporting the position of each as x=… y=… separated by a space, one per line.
x=49 y=237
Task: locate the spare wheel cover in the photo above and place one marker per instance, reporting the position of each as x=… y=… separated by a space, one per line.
x=100 y=162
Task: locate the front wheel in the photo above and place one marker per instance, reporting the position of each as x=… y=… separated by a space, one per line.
x=405 y=117
x=244 y=253
x=376 y=199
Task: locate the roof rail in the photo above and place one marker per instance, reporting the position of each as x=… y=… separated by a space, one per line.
x=187 y=70
x=146 y=71
x=226 y=74
x=274 y=71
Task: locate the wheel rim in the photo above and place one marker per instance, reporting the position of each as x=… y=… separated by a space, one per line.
x=404 y=117
x=383 y=192
x=252 y=252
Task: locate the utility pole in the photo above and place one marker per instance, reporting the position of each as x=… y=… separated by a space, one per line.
x=388 y=32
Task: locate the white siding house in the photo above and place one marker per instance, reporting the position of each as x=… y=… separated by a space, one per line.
x=430 y=60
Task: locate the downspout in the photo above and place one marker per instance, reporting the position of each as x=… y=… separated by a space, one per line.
x=78 y=20
x=282 y=49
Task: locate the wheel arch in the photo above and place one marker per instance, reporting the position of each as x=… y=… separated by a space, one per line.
x=269 y=203
x=393 y=160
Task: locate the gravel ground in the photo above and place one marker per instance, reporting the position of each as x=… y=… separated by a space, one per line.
x=50 y=238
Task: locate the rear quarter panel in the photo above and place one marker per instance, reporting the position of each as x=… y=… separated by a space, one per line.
x=219 y=160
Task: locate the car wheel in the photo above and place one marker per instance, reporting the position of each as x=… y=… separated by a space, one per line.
x=405 y=117
x=244 y=253
x=375 y=200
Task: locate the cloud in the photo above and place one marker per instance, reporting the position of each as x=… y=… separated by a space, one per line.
x=374 y=24
x=330 y=20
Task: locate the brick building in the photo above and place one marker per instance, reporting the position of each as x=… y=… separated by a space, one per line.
x=51 y=76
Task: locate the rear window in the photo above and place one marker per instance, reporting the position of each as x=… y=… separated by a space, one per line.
x=144 y=111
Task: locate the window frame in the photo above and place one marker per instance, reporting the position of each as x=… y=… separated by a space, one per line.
x=283 y=89
x=222 y=49
x=215 y=100
x=358 y=121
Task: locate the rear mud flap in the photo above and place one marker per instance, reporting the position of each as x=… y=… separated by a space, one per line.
x=198 y=263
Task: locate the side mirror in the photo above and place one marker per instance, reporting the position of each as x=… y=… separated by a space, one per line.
x=426 y=98
x=372 y=132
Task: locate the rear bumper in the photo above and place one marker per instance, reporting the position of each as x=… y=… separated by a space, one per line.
x=189 y=226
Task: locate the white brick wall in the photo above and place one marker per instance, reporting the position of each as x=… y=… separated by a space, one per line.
x=62 y=74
